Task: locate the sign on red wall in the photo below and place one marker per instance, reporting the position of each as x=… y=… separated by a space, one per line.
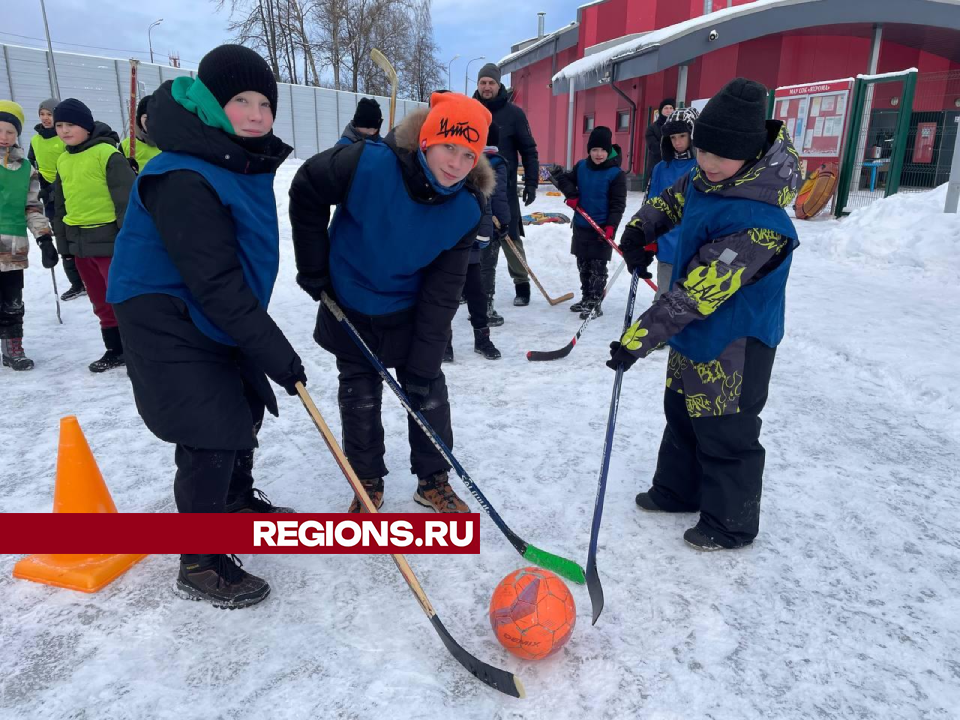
x=815 y=115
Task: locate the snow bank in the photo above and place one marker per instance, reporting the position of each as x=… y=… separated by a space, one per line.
x=908 y=229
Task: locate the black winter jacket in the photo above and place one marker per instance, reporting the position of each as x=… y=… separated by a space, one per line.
x=515 y=139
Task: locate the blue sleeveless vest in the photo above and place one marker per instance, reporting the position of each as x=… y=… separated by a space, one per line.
x=381 y=238
x=141 y=264
x=755 y=310
x=594 y=188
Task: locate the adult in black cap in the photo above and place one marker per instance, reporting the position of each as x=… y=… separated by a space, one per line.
x=654 y=136
x=515 y=140
x=366 y=123
x=192 y=276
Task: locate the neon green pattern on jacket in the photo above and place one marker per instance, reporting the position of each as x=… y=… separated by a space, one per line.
x=85 y=191
x=47 y=151
x=145 y=152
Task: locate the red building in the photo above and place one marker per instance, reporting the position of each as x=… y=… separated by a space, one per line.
x=623 y=56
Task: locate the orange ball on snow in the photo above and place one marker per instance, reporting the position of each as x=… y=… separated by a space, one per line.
x=532 y=613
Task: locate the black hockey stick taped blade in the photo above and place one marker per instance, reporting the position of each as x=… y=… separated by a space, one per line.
x=595 y=589
x=539 y=355
x=505 y=682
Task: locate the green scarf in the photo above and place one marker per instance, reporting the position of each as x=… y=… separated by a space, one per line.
x=193 y=95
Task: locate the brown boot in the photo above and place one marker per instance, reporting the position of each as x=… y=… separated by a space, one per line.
x=435 y=493
x=374 y=489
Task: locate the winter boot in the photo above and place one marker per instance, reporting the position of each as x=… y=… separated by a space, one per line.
x=448 y=353
x=523 y=294
x=374 y=489
x=435 y=493
x=113 y=357
x=13 y=355
x=578 y=306
x=494 y=319
x=591 y=305
x=483 y=345
x=74 y=292
x=697 y=538
x=219 y=580
x=256 y=501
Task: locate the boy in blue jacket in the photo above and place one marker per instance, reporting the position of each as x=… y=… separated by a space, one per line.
x=599 y=186
x=678 y=160
x=723 y=314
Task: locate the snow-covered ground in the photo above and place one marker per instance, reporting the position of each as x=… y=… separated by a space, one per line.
x=845 y=607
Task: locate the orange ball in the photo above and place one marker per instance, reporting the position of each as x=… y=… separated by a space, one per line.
x=532 y=613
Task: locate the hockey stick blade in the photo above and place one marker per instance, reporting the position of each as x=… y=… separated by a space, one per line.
x=562 y=566
x=561 y=299
x=505 y=682
x=496 y=678
x=380 y=60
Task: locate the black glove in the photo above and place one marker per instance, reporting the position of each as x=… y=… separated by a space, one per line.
x=619 y=355
x=633 y=243
x=313 y=285
x=48 y=253
x=46 y=194
x=529 y=194
x=417 y=389
x=296 y=374
x=134 y=165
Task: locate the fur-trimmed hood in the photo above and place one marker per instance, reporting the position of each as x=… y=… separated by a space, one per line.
x=405 y=137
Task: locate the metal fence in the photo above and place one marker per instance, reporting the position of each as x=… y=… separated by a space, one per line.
x=308 y=118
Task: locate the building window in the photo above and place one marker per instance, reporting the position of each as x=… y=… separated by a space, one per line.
x=623 y=120
x=588 y=123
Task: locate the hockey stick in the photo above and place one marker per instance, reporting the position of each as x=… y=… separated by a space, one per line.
x=560 y=565
x=496 y=678
x=56 y=294
x=593 y=577
x=552 y=301
x=536 y=355
x=600 y=232
x=134 y=63
x=380 y=60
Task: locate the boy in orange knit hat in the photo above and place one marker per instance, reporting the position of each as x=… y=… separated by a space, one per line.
x=395 y=259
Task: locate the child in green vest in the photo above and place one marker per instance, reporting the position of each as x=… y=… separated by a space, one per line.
x=146 y=149
x=20 y=208
x=90 y=197
x=45 y=148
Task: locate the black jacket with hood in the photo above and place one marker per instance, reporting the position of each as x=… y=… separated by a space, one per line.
x=325 y=180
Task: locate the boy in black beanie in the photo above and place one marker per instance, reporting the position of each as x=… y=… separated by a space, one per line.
x=366 y=123
x=146 y=148
x=599 y=186
x=722 y=316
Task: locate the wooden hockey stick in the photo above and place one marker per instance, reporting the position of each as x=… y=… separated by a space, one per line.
x=380 y=60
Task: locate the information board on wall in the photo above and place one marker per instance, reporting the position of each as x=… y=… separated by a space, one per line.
x=815 y=115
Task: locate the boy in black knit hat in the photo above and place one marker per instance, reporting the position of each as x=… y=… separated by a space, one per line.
x=366 y=123
x=722 y=316
x=599 y=186
x=90 y=198
x=146 y=148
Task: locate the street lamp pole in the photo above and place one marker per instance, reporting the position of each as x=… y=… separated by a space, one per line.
x=449 y=82
x=466 y=73
x=53 y=64
x=149 y=39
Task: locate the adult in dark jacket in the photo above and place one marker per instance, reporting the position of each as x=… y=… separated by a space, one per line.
x=192 y=277
x=395 y=259
x=516 y=140
x=599 y=186
x=366 y=123
x=654 y=137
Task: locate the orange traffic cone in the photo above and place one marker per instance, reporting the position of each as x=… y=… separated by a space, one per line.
x=80 y=489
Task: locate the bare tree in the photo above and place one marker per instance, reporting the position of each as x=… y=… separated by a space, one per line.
x=422 y=73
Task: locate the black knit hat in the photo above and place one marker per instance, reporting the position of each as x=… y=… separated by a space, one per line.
x=368 y=114
x=490 y=70
x=733 y=124
x=142 y=110
x=229 y=70
x=493 y=135
x=73 y=111
x=666 y=101
x=600 y=137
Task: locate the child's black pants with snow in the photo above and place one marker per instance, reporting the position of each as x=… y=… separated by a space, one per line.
x=476 y=297
x=11 y=304
x=710 y=457
x=361 y=392
x=209 y=480
x=593 y=278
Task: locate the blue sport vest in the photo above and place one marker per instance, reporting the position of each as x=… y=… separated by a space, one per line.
x=141 y=264
x=756 y=310
x=665 y=174
x=594 y=188
x=381 y=238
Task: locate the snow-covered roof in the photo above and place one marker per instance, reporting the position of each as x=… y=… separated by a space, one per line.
x=548 y=38
x=885 y=76
x=596 y=62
